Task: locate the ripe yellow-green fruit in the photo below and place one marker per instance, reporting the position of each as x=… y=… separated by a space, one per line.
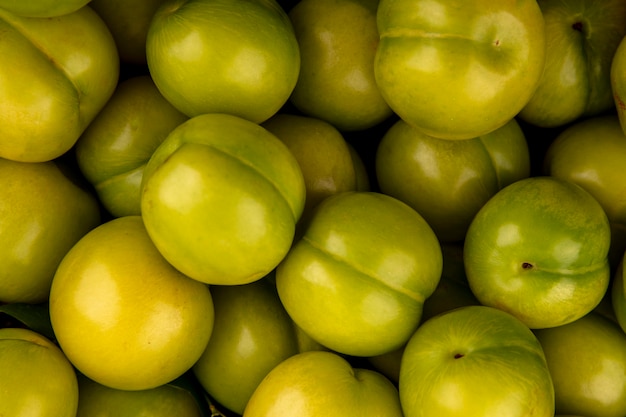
x=125 y=317
x=43 y=213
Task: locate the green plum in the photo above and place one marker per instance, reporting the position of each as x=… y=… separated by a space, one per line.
x=357 y=279
x=42 y=8
x=252 y=334
x=163 y=401
x=58 y=74
x=223 y=56
x=475 y=361
x=37 y=378
x=538 y=249
x=123 y=316
x=462 y=68
x=587 y=361
x=115 y=148
x=43 y=213
x=592 y=154
x=581 y=39
x=338 y=41
x=323 y=383
x=221 y=197
x=129 y=21
x=322 y=153
x=446 y=181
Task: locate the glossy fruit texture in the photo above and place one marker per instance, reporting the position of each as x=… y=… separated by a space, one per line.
x=221 y=197
x=338 y=41
x=581 y=36
x=475 y=361
x=124 y=316
x=163 y=401
x=618 y=82
x=128 y=21
x=587 y=361
x=252 y=334
x=115 y=148
x=220 y=56
x=357 y=279
x=37 y=379
x=322 y=153
x=323 y=383
x=58 y=74
x=42 y=8
x=592 y=154
x=538 y=249
x=459 y=69
x=447 y=182
x=42 y=215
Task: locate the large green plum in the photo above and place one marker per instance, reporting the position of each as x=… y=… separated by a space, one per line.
x=581 y=39
x=43 y=213
x=252 y=334
x=538 y=249
x=457 y=69
x=221 y=198
x=123 y=316
x=446 y=181
x=357 y=279
x=312 y=384
x=115 y=148
x=223 y=56
x=475 y=361
x=587 y=361
x=338 y=41
x=56 y=76
x=592 y=154
x=37 y=378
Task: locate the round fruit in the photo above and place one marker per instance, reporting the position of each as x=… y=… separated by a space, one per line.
x=124 y=317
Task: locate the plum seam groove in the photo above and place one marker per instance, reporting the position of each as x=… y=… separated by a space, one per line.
x=260 y=173
x=53 y=62
x=410 y=294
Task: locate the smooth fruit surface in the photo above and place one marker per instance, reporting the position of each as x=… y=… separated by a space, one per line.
x=323 y=383
x=42 y=8
x=220 y=56
x=58 y=73
x=357 y=279
x=581 y=39
x=459 y=69
x=592 y=154
x=475 y=361
x=42 y=215
x=37 y=379
x=587 y=361
x=124 y=317
x=446 y=181
x=221 y=197
x=538 y=249
x=252 y=334
x=164 y=401
x=115 y=148
x=338 y=41
x=322 y=153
